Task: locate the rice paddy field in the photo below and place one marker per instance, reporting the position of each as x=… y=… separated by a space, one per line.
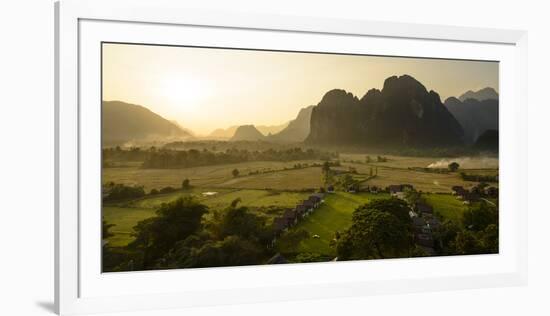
x=217 y=175
x=422 y=181
x=275 y=186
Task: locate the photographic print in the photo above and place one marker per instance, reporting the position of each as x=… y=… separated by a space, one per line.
x=217 y=157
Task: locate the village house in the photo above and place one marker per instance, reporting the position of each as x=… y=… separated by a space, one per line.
x=315 y=200
x=321 y=196
x=301 y=210
x=290 y=217
x=433 y=223
x=279 y=225
x=422 y=207
x=394 y=189
x=398 y=190
x=471 y=197
x=310 y=206
x=373 y=189
x=418 y=223
x=459 y=191
x=424 y=240
x=491 y=192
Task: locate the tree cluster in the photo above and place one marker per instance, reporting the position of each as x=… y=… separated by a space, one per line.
x=117 y=191
x=185 y=234
x=380 y=229
x=479 y=234
x=193 y=158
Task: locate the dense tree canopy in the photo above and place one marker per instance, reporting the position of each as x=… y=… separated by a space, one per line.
x=116 y=191
x=175 y=221
x=478 y=218
x=167 y=158
x=380 y=229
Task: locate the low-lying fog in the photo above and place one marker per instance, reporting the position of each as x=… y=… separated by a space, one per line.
x=467 y=162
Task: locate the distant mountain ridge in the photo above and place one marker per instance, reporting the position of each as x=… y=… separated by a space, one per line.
x=475 y=116
x=247 y=133
x=403 y=113
x=227 y=133
x=271 y=129
x=223 y=133
x=480 y=95
x=123 y=122
x=297 y=130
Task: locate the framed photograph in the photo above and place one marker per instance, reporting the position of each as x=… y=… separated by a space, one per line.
x=208 y=158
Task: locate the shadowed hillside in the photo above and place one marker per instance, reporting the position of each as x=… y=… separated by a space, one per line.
x=297 y=130
x=475 y=116
x=403 y=113
x=123 y=122
x=247 y=132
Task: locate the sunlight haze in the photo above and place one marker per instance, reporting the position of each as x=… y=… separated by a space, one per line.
x=204 y=89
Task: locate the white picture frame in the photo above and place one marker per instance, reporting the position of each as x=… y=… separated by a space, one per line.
x=81 y=287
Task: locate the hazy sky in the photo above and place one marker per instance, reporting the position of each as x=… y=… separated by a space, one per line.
x=204 y=89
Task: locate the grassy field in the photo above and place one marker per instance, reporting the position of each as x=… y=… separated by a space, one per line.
x=124 y=219
x=126 y=215
x=447 y=206
x=423 y=162
x=423 y=181
x=299 y=179
x=280 y=188
x=219 y=175
x=224 y=197
x=334 y=215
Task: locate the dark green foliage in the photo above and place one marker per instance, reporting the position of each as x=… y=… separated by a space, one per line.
x=185 y=184
x=240 y=222
x=479 y=217
x=453 y=166
x=466 y=242
x=235 y=173
x=444 y=237
x=309 y=257
x=122 y=192
x=479 y=235
x=394 y=206
x=231 y=251
x=380 y=229
x=174 y=222
x=292 y=238
x=478 y=177
x=166 y=190
x=232 y=237
x=105 y=227
x=167 y=158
